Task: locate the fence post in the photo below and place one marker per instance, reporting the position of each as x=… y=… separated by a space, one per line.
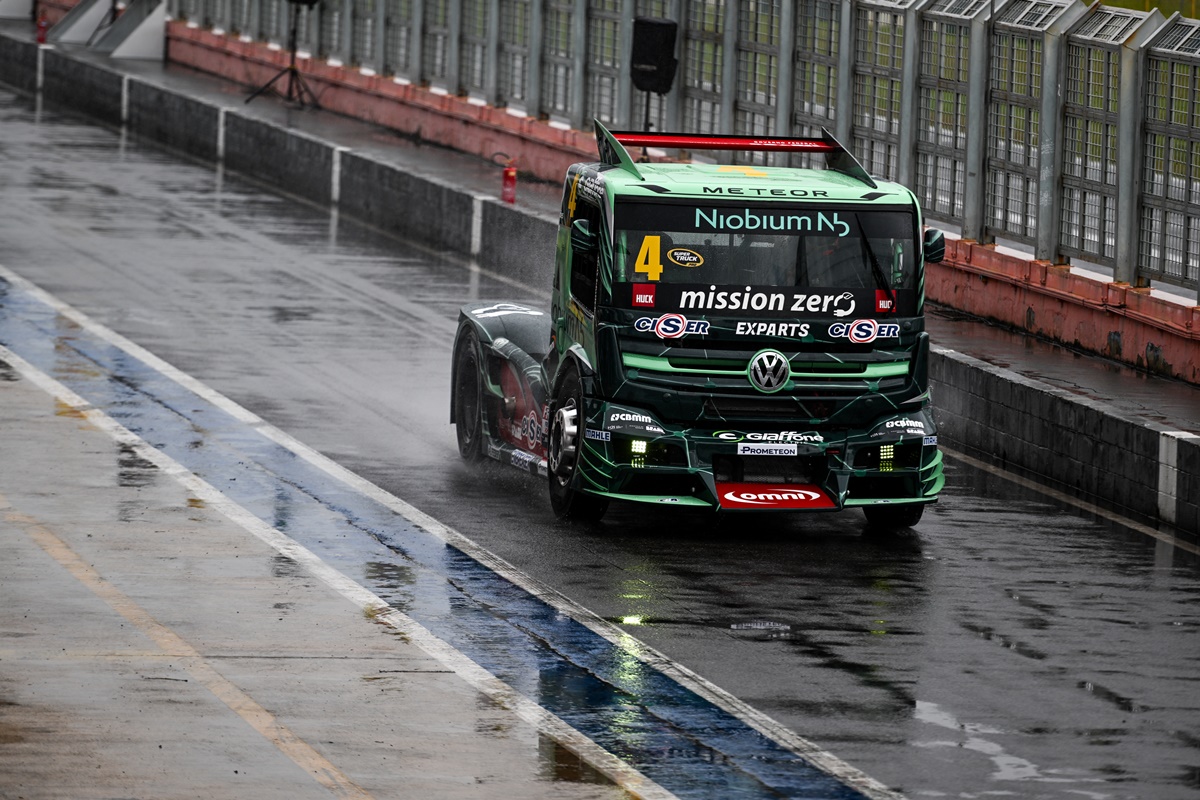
x=729 y=67
x=672 y=113
x=1050 y=139
x=416 y=43
x=346 y=34
x=453 y=45
x=491 y=88
x=910 y=80
x=1129 y=146
x=533 y=79
x=577 y=99
x=625 y=110
x=974 y=192
x=844 y=122
x=784 y=88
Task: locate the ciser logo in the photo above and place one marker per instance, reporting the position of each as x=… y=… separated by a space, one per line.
x=671 y=326
x=862 y=331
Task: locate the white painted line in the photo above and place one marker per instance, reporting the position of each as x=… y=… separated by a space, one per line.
x=476 y=225
x=266 y=724
x=335 y=175
x=371 y=604
x=1168 y=473
x=756 y=719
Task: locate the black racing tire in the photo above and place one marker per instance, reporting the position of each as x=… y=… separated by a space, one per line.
x=563 y=449
x=888 y=518
x=468 y=397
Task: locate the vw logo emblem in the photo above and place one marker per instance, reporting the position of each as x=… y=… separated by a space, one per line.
x=769 y=371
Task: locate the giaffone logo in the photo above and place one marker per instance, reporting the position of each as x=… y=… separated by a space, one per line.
x=771 y=498
x=778 y=436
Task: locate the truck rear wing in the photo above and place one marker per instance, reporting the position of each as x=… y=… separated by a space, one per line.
x=612 y=144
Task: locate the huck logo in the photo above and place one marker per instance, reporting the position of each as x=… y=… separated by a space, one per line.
x=769 y=371
x=643 y=295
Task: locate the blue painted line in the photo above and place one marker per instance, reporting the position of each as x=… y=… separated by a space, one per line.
x=672 y=735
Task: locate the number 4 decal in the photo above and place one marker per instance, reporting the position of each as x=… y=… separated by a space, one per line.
x=649 y=258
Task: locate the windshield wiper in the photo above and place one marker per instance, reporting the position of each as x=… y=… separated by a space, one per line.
x=876 y=269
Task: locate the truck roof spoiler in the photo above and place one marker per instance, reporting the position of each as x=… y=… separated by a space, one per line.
x=612 y=144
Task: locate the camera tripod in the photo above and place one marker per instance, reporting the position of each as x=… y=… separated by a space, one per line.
x=298 y=90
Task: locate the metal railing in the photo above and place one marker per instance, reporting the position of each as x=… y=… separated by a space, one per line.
x=1068 y=132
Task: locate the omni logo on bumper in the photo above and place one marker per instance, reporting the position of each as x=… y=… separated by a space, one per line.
x=671 y=326
x=772 y=496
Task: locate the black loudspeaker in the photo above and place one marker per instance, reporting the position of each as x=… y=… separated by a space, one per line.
x=653 y=62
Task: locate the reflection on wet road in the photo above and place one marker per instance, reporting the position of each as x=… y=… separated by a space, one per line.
x=1011 y=645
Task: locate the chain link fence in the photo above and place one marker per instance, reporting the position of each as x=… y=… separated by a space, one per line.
x=1055 y=128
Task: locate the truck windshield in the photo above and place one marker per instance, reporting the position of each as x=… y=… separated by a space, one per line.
x=765 y=244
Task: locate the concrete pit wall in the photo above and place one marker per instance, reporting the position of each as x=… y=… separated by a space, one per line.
x=1067 y=441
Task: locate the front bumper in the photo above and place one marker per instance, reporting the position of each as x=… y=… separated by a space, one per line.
x=628 y=454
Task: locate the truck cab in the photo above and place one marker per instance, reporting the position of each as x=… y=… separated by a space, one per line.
x=741 y=338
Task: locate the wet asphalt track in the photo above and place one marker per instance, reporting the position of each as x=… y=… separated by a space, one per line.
x=1011 y=645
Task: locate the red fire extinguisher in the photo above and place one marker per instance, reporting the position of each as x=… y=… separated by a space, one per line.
x=42 y=27
x=508 y=187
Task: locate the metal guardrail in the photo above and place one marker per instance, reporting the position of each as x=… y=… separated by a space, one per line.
x=1067 y=131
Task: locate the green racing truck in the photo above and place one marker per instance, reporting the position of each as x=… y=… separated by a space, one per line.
x=738 y=338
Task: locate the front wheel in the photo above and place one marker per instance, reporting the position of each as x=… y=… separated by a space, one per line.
x=893 y=518
x=468 y=397
x=563 y=454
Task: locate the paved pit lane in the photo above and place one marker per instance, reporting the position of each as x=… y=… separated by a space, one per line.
x=1013 y=645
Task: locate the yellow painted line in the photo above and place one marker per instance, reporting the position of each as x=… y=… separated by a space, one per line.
x=320 y=768
x=1063 y=497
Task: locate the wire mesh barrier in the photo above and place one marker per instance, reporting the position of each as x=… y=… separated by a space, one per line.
x=1059 y=129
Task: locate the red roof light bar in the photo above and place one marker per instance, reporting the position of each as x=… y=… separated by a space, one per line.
x=687 y=142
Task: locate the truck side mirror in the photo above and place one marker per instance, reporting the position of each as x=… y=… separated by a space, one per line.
x=935 y=245
x=582 y=238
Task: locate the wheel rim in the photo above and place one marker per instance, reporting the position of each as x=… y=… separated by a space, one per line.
x=564 y=441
